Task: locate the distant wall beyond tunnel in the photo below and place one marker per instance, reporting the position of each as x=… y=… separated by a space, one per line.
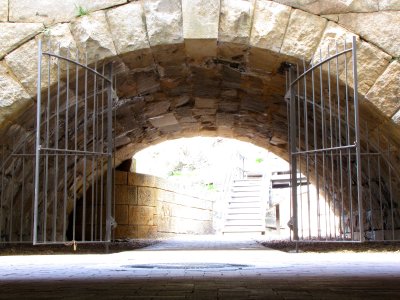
x=148 y=206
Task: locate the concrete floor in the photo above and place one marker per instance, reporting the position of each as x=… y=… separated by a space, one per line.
x=198 y=269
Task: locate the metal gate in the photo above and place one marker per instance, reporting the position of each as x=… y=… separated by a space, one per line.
x=324 y=145
x=56 y=180
x=74 y=149
x=344 y=196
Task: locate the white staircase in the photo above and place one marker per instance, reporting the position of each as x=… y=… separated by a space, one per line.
x=245 y=210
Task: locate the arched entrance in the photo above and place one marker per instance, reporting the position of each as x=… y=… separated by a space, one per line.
x=176 y=81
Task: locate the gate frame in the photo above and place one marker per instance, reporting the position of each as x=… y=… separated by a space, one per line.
x=110 y=143
x=293 y=152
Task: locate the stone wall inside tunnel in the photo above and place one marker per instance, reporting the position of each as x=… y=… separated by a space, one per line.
x=177 y=76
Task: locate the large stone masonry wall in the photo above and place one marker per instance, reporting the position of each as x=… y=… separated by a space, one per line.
x=147 y=207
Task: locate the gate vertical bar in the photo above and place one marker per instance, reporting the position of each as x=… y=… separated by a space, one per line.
x=109 y=152
x=37 y=154
x=293 y=158
x=357 y=141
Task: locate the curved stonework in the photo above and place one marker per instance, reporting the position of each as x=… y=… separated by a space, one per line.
x=203 y=67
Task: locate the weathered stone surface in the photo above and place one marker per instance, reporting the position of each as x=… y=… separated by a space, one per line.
x=13 y=97
x=200 y=19
x=163 y=21
x=389 y=5
x=128 y=28
x=319 y=7
x=13 y=35
x=205 y=103
x=61 y=40
x=333 y=34
x=366 y=25
x=3 y=10
x=164 y=120
x=303 y=34
x=126 y=231
x=23 y=63
x=371 y=63
x=121 y=178
x=93 y=37
x=269 y=25
x=147 y=196
x=48 y=11
x=122 y=214
x=385 y=93
x=235 y=21
x=200 y=28
x=24 y=66
x=121 y=194
x=141 y=215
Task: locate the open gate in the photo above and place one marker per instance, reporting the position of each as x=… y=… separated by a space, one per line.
x=73 y=176
x=56 y=179
x=324 y=146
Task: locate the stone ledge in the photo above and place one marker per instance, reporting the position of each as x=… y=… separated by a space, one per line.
x=49 y=12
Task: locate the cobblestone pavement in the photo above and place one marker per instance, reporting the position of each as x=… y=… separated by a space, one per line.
x=197 y=269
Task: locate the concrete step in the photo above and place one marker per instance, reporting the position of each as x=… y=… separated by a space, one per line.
x=244 y=210
x=250 y=188
x=244 y=222
x=243 y=182
x=245 y=194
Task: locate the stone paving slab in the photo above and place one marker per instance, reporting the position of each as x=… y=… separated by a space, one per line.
x=237 y=273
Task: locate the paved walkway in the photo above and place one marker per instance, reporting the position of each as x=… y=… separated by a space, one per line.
x=197 y=269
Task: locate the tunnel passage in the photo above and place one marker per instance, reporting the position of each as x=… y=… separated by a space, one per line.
x=174 y=83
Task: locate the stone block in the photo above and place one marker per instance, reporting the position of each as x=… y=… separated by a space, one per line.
x=122 y=214
x=235 y=21
x=163 y=21
x=23 y=64
x=164 y=120
x=157 y=108
x=371 y=63
x=389 y=5
x=12 y=35
x=121 y=178
x=3 y=10
x=132 y=195
x=141 y=215
x=200 y=19
x=319 y=7
x=126 y=232
x=146 y=231
x=49 y=12
x=205 y=102
x=200 y=50
x=13 y=97
x=269 y=25
x=303 y=34
x=385 y=92
x=128 y=27
x=92 y=36
x=147 y=196
x=121 y=194
x=137 y=179
x=365 y=25
x=333 y=34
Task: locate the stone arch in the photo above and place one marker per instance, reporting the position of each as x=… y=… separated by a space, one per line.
x=211 y=68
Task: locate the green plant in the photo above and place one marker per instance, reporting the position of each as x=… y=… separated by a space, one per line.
x=175 y=173
x=211 y=187
x=81 y=11
x=259 y=160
